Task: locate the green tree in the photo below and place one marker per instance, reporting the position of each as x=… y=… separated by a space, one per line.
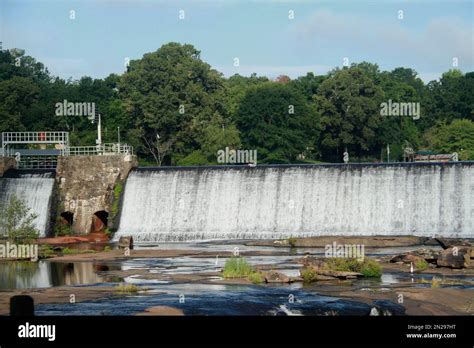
x=171 y=97
x=17 y=221
x=458 y=136
x=277 y=121
x=349 y=104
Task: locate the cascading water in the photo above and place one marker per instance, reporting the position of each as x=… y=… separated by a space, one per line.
x=36 y=189
x=177 y=204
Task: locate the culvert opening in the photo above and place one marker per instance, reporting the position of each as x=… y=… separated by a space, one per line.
x=99 y=221
x=67 y=218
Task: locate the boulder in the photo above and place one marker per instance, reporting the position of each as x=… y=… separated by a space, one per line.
x=407 y=258
x=276 y=277
x=447 y=243
x=430 y=255
x=454 y=257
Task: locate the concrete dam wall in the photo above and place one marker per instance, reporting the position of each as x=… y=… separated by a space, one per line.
x=178 y=204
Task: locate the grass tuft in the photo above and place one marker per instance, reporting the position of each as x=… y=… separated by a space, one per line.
x=368 y=268
x=237 y=267
x=126 y=288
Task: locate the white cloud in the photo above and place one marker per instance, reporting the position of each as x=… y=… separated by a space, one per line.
x=432 y=46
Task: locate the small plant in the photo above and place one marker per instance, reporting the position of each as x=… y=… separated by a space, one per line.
x=46 y=251
x=108 y=232
x=370 y=268
x=292 y=242
x=421 y=265
x=69 y=251
x=115 y=205
x=62 y=228
x=309 y=275
x=237 y=267
x=436 y=282
x=107 y=248
x=256 y=277
x=127 y=288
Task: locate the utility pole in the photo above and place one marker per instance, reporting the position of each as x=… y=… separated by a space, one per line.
x=99 y=131
x=388 y=153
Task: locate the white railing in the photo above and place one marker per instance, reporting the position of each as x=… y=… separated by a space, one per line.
x=35 y=138
x=98 y=150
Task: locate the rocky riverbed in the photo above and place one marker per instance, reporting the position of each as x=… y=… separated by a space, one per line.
x=187 y=278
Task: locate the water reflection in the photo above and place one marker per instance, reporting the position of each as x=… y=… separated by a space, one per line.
x=45 y=274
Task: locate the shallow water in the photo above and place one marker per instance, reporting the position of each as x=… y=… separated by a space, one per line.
x=208 y=299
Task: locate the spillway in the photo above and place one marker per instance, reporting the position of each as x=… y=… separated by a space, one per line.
x=36 y=189
x=236 y=202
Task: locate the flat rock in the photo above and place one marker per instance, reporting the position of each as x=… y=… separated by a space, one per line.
x=339 y=274
x=161 y=310
x=276 y=277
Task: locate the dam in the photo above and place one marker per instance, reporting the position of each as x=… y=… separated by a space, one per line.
x=35 y=188
x=280 y=201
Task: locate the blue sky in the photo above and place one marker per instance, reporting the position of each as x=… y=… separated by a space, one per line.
x=258 y=32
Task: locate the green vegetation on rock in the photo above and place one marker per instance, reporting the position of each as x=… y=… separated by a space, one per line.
x=421 y=265
x=368 y=267
x=126 y=288
x=237 y=267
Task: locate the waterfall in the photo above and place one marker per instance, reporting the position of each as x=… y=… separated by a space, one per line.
x=35 y=189
x=236 y=202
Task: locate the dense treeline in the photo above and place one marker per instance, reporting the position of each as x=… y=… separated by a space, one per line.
x=176 y=110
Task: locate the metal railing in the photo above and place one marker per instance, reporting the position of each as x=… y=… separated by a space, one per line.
x=11 y=138
x=98 y=150
x=35 y=138
x=38 y=162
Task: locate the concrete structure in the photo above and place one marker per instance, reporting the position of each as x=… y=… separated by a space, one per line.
x=86 y=189
x=6 y=163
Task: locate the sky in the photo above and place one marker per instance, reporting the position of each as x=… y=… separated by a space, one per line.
x=428 y=36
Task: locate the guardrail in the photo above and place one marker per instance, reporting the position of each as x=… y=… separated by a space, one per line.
x=35 y=138
x=98 y=150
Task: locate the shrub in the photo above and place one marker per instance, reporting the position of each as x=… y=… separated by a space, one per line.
x=237 y=267
x=62 y=229
x=421 y=265
x=127 y=288
x=46 y=251
x=292 y=242
x=309 y=275
x=17 y=221
x=368 y=267
x=256 y=277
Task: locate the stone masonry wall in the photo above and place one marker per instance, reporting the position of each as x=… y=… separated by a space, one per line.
x=6 y=163
x=86 y=185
